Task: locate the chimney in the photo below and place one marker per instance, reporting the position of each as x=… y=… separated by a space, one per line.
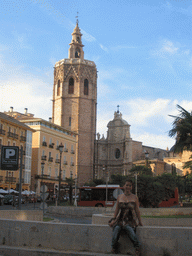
x=11 y=109
x=25 y=112
x=50 y=119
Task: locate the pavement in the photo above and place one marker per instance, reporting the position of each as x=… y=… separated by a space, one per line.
x=23 y=251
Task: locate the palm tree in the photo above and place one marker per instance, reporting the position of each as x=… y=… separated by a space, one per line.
x=182 y=129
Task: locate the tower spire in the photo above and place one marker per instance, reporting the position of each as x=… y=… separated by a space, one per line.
x=77 y=21
x=76 y=46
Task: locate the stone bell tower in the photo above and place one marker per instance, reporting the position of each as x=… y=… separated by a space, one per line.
x=74 y=102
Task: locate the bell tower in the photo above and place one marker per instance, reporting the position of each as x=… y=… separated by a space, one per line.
x=74 y=102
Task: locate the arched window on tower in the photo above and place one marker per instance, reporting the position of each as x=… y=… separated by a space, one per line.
x=86 y=87
x=58 y=88
x=71 y=86
x=77 y=53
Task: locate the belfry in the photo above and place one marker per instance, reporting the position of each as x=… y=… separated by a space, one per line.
x=74 y=102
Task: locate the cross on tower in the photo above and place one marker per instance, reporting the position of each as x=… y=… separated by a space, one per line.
x=118 y=109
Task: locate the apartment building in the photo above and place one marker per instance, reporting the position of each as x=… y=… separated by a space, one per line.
x=45 y=165
x=15 y=133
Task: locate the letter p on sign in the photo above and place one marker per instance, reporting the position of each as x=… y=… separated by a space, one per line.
x=9 y=153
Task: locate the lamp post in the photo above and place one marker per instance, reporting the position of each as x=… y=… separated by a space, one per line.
x=75 y=203
x=61 y=151
x=106 y=175
x=146 y=158
x=42 y=173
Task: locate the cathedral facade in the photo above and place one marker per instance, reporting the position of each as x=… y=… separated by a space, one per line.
x=74 y=102
x=118 y=152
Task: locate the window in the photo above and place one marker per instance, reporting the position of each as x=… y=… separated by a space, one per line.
x=1 y=142
x=14 y=144
x=49 y=154
x=117 y=153
x=9 y=143
x=77 y=53
x=57 y=156
x=71 y=86
x=56 y=173
x=69 y=121
x=43 y=153
x=58 y=88
x=43 y=138
x=86 y=87
x=64 y=175
x=49 y=171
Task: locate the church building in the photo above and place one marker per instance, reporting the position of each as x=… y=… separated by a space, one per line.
x=74 y=102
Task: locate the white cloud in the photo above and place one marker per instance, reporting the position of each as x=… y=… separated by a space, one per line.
x=88 y=37
x=154 y=140
x=141 y=110
x=121 y=47
x=22 y=94
x=103 y=48
x=167 y=48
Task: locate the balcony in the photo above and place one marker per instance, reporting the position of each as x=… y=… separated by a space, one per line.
x=65 y=162
x=13 y=135
x=10 y=180
x=57 y=161
x=50 y=159
x=72 y=163
x=72 y=151
x=2 y=132
x=51 y=145
x=44 y=144
x=44 y=158
x=22 y=138
x=65 y=149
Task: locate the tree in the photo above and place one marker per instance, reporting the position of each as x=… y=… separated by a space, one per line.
x=141 y=170
x=182 y=129
x=70 y=182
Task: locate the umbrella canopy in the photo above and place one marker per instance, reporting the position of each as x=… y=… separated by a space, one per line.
x=32 y=193
x=2 y=191
x=12 y=191
x=26 y=192
x=1 y=196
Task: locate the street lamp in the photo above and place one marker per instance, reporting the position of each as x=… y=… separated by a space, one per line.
x=60 y=150
x=42 y=173
x=75 y=203
x=106 y=175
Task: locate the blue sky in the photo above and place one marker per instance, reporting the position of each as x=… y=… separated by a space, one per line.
x=142 y=50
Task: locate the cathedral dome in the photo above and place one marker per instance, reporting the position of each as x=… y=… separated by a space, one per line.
x=117 y=121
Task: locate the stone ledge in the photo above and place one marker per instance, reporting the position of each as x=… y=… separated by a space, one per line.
x=93 y=238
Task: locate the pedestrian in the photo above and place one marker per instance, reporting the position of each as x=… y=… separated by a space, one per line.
x=126 y=217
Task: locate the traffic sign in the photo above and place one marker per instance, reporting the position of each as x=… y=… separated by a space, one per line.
x=45 y=188
x=9 y=158
x=44 y=196
x=117 y=192
x=41 y=205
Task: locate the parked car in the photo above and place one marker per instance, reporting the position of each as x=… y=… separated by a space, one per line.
x=8 y=199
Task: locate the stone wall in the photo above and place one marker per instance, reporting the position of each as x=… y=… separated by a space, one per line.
x=93 y=238
x=103 y=219
x=34 y=215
